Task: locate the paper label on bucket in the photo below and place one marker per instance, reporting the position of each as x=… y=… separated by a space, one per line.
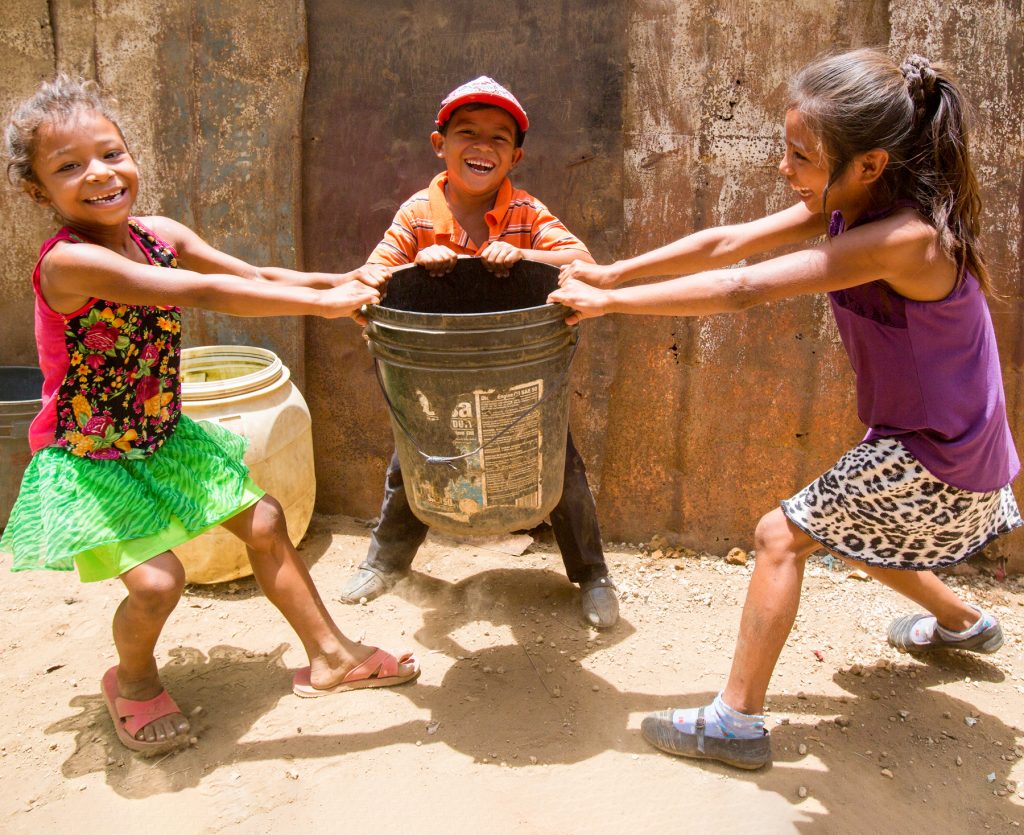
x=507 y=471
x=512 y=464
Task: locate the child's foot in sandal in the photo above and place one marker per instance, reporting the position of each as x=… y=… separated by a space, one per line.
x=379 y=669
x=152 y=726
x=916 y=634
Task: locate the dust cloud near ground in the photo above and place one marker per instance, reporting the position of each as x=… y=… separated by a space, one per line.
x=524 y=720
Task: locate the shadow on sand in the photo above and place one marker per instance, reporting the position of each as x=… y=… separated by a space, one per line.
x=524 y=698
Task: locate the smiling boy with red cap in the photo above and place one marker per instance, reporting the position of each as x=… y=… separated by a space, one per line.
x=472 y=208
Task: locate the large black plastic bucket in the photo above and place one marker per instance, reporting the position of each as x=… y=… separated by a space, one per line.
x=20 y=401
x=474 y=368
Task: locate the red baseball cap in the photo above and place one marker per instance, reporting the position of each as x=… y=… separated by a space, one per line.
x=483 y=90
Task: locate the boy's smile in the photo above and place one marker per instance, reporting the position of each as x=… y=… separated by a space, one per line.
x=84 y=172
x=481 y=166
x=478 y=147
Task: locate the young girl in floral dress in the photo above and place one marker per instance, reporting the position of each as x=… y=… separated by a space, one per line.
x=119 y=476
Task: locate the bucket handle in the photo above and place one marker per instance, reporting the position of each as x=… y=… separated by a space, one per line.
x=450 y=459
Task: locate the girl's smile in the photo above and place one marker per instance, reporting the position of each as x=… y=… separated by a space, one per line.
x=108 y=198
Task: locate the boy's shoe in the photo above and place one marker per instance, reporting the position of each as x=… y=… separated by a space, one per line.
x=900 y=637
x=367 y=582
x=659 y=730
x=599 y=603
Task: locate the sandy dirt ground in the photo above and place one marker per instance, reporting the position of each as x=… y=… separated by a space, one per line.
x=523 y=720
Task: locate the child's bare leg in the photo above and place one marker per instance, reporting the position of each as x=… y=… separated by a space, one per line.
x=774 y=596
x=770 y=608
x=285 y=581
x=927 y=590
x=731 y=728
x=154 y=588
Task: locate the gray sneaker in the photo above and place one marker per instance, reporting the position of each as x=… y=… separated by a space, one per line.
x=987 y=641
x=599 y=603
x=658 y=729
x=368 y=582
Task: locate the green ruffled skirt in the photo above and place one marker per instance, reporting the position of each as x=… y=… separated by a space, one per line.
x=107 y=516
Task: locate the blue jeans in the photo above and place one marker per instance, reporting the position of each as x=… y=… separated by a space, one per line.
x=399 y=533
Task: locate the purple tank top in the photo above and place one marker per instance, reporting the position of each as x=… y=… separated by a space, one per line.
x=928 y=374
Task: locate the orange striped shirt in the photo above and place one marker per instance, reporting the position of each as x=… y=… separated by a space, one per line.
x=425 y=219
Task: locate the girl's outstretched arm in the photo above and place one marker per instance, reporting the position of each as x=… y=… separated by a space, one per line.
x=901 y=250
x=558 y=257
x=707 y=249
x=196 y=254
x=71 y=274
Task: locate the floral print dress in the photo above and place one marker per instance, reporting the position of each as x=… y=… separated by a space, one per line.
x=118 y=473
x=121 y=396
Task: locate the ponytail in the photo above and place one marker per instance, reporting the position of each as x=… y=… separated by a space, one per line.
x=942 y=180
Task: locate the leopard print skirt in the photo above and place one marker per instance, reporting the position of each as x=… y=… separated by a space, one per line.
x=880 y=506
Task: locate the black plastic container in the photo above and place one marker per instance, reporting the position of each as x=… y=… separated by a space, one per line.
x=474 y=368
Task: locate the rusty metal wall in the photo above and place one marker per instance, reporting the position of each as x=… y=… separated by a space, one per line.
x=651 y=118
x=211 y=110
x=689 y=426
x=725 y=415
x=27 y=51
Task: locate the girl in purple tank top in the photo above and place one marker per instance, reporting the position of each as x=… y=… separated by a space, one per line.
x=119 y=477
x=878 y=157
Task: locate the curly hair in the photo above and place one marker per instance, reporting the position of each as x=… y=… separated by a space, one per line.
x=58 y=99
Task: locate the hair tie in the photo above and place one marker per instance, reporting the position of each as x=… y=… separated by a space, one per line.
x=921 y=81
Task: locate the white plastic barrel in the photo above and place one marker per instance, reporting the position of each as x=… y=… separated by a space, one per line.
x=249 y=391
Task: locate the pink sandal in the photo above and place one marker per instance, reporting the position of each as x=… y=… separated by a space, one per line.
x=131 y=716
x=379 y=670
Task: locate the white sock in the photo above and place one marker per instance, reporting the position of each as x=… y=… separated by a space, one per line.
x=926 y=628
x=984 y=621
x=720 y=721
